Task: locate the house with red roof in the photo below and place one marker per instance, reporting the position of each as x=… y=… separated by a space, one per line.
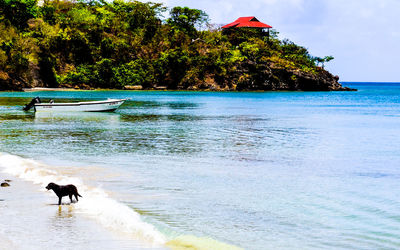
x=247 y=22
x=246 y=26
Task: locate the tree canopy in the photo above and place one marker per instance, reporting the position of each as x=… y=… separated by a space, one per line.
x=102 y=44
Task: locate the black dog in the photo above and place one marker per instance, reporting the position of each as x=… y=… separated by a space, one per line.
x=64 y=191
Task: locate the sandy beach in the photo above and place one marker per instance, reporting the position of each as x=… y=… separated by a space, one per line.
x=29 y=210
x=5 y=243
x=47 y=89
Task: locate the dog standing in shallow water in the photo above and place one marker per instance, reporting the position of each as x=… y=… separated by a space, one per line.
x=67 y=190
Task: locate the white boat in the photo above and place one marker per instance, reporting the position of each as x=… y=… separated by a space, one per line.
x=91 y=106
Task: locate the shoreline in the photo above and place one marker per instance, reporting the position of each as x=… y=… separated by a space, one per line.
x=93 y=215
x=39 y=89
x=28 y=207
x=47 y=89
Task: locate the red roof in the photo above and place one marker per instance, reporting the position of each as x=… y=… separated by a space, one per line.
x=249 y=21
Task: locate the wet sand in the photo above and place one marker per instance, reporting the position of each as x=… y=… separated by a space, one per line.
x=31 y=219
x=47 y=89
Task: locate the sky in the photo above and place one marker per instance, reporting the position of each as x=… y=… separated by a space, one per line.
x=362 y=35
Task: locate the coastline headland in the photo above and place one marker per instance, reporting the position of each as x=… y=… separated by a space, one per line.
x=129 y=45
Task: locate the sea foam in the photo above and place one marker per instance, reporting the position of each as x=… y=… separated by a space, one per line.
x=95 y=202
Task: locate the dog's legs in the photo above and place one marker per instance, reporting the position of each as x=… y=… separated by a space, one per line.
x=59 y=200
x=70 y=197
x=76 y=197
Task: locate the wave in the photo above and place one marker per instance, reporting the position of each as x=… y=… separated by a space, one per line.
x=98 y=205
x=186 y=242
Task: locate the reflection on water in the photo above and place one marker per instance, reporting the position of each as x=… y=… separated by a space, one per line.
x=160 y=105
x=150 y=127
x=104 y=117
x=65 y=212
x=64 y=221
x=25 y=117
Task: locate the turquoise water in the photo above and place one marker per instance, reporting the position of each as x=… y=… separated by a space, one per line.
x=254 y=170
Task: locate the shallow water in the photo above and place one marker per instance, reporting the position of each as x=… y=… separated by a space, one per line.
x=253 y=170
x=31 y=219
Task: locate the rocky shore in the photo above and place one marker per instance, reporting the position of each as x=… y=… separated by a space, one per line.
x=251 y=76
x=248 y=76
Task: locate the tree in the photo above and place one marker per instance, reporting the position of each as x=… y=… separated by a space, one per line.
x=138 y=16
x=18 y=12
x=114 y=43
x=16 y=51
x=323 y=60
x=186 y=19
x=46 y=66
x=327 y=59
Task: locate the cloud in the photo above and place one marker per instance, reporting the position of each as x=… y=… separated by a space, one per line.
x=362 y=35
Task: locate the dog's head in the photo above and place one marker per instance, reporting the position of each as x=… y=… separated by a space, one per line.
x=51 y=185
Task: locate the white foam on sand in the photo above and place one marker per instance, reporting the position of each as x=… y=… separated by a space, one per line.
x=5 y=243
x=97 y=205
x=95 y=202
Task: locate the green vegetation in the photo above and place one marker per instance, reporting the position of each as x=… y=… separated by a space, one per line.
x=102 y=44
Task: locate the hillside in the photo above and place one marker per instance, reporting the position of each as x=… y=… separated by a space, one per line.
x=125 y=45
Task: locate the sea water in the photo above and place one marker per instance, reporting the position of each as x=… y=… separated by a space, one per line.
x=207 y=170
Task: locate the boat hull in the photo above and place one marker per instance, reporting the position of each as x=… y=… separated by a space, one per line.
x=96 y=106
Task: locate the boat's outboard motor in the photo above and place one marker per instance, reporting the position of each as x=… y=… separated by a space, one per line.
x=32 y=103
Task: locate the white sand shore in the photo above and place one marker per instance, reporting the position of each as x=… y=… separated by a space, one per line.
x=47 y=89
x=31 y=219
x=6 y=243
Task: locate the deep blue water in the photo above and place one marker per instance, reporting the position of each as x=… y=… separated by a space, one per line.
x=255 y=170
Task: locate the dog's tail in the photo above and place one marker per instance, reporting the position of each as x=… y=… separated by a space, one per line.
x=78 y=194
